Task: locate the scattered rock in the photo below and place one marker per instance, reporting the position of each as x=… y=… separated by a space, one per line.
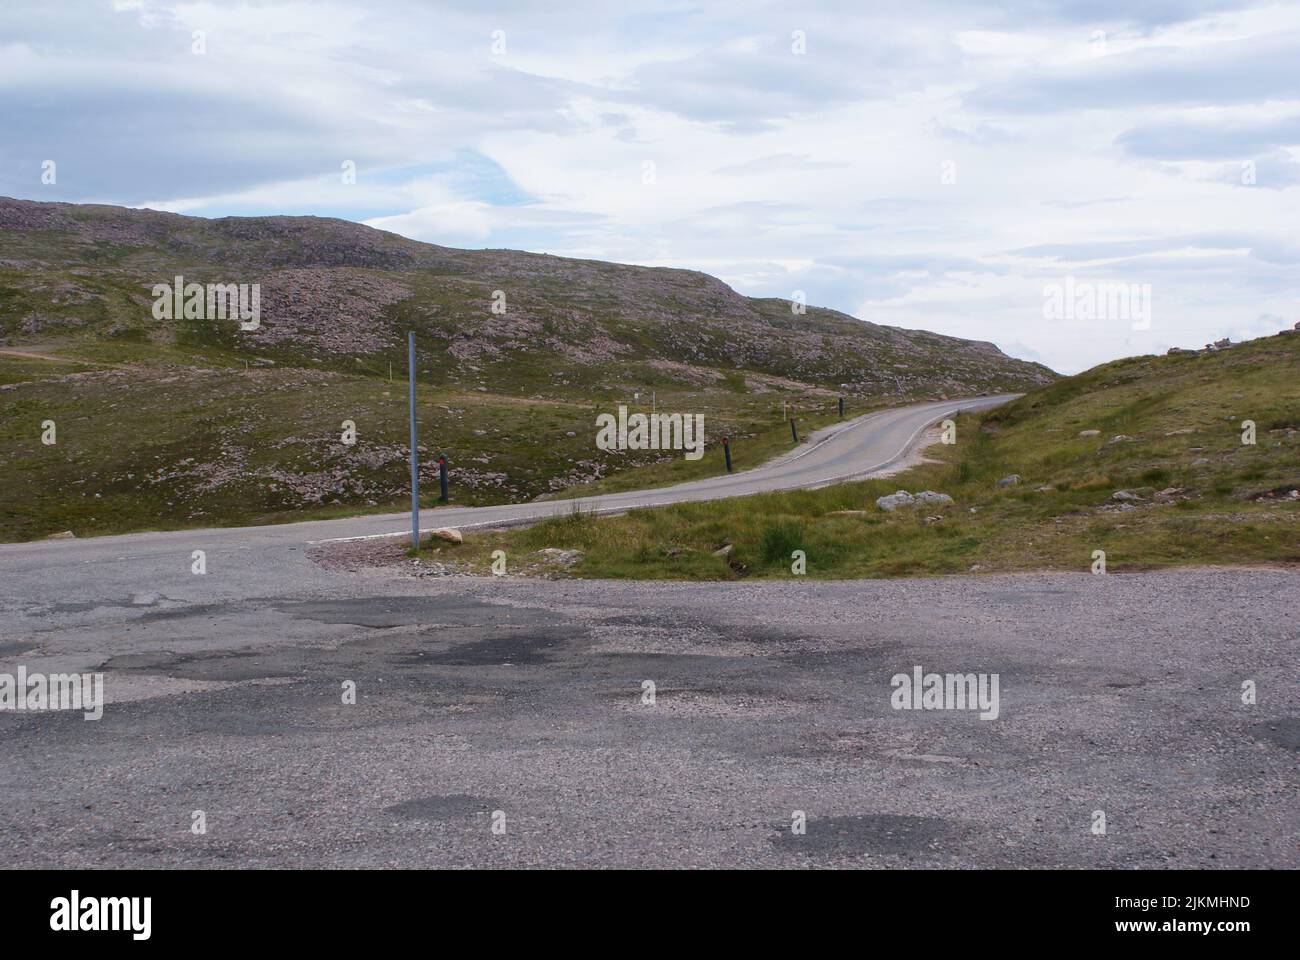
x=1126 y=495
x=1045 y=488
x=1009 y=481
x=847 y=513
x=450 y=534
x=565 y=558
x=432 y=569
x=722 y=551
x=1179 y=433
x=64 y=535
x=1200 y=462
x=929 y=496
x=1090 y=433
x=895 y=500
x=1119 y=438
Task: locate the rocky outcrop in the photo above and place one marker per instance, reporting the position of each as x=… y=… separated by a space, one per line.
x=332 y=288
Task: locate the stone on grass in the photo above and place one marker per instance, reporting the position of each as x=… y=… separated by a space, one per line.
x=564 y=557
x=929 y=496
x=450 y=534
x=1090 y=433
x=1009 y=481
x=895 y=500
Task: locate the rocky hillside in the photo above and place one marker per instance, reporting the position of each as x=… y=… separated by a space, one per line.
x=333 y=291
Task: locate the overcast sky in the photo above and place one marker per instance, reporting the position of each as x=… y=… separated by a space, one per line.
x=922 y=164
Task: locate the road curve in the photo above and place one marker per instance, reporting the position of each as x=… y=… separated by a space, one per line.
x=67 y=581
x=849 y=450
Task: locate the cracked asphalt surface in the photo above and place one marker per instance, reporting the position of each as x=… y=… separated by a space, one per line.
x=1119 y=693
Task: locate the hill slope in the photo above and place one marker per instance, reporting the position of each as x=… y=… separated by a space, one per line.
x=165 y=423
x=332 y=287
x=1142 y=458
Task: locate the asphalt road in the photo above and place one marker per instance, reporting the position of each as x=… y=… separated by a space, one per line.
x=521 y=703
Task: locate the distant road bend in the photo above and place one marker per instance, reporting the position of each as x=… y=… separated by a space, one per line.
x=853 y=449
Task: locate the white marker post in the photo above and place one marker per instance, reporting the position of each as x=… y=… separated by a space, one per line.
x=415 y=456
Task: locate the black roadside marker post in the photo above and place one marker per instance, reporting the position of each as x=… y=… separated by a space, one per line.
x=841 y=408
x=442 y=476
x=415 y=456
x=794 y=433
x=726 y=450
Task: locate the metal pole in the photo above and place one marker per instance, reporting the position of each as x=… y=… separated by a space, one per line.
x=415 y=456
x=794 y=434
x=442 y=476
x=841 y=408
x=726 y=449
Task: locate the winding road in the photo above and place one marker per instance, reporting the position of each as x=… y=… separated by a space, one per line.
x=77 y=569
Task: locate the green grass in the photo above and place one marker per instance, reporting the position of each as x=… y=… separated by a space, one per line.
x=1179 y=410
x=152 y=437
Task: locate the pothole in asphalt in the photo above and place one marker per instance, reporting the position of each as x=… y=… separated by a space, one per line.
x=447 y=807
x=233 y=666
x=881 y=833
x=147 y=600
x=1285 y=732
x=507 y=647
x=387 y=612
x=684 y=702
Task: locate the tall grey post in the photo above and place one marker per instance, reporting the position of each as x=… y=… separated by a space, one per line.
x=415 y=456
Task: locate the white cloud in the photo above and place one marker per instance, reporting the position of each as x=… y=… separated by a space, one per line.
x=930 y=167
